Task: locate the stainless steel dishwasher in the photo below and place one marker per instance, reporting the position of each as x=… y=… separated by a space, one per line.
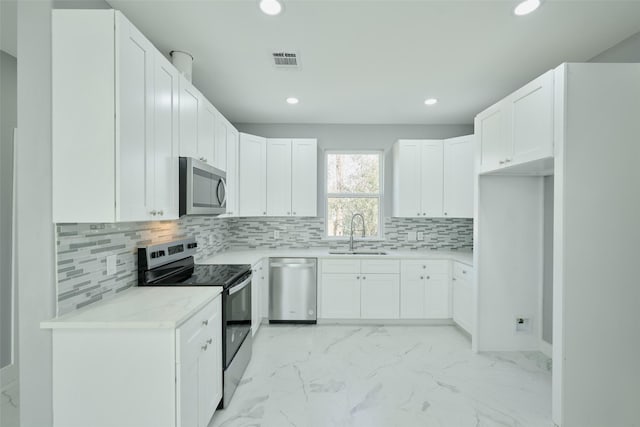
x=292 y=290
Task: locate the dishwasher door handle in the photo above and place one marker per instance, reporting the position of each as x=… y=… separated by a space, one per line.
x=298 y=265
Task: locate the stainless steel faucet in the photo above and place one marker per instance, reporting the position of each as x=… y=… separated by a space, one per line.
x=364 y=232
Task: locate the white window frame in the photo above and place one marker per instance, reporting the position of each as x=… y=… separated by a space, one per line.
x=379 y=195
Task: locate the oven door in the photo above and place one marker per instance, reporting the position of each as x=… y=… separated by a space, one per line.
x=237 y=317
x=203 y=190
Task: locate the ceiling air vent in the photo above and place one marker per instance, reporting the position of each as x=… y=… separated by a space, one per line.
x=286 y=59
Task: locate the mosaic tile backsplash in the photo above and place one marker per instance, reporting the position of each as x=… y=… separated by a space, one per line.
x=82 y=249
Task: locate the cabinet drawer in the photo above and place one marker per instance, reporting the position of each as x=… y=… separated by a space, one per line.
x=462 y=271
x=340 y=266
x=378 y=266
x=196 y=331
x=432 y=267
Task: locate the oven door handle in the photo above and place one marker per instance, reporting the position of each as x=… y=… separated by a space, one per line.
x=238 y=288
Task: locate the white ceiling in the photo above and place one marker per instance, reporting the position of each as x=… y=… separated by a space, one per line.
x=376 y=61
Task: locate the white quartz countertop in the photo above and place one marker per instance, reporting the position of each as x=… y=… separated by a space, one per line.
x=139 y=308
x=252 y=256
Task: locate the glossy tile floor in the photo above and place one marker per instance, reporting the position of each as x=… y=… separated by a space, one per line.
x=387 y=376
x=9 y=407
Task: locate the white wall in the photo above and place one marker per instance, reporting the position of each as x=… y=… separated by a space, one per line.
x=356 y=137
x=508 y=252
x=8 y=121
x=35 y=238
x=627 y=50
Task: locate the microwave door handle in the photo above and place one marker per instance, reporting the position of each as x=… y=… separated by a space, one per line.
x=224 y=187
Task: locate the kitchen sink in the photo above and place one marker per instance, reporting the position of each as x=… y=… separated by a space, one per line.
x=357 y=253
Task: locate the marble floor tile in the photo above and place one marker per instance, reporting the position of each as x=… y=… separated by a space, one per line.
x=385 y=376
x=9 y=404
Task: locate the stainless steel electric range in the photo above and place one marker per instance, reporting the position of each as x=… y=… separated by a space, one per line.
x=172 y=264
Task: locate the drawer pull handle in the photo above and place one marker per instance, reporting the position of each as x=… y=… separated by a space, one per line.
x=204 y=347
x=454 y=279
x=464 y=271
x=210 y=340
x=205 y=322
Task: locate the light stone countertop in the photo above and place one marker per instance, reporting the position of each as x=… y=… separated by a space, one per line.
x=252 y=256
x=139 y=308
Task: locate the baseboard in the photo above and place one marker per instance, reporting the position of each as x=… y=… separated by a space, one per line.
x=8 y=376
x=387 y=322
x=546 y=349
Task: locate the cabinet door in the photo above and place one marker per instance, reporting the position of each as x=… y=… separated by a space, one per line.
x=189 y=116
x=253 y=175
x=458 y=177
x=340 y=296
x=257 y=289
x=279 y=177
x=134 y=122
x=532 y=120
x=380 y=296
x=412 y=296
x=431 y=178
x=165 y=136
x=304 y=177
x=437 y=297
x=491 y=127
x=210 y=367
x=462 y=303
x=206 y=132
x=220 y=144
x=407 y=179
x=232 y=171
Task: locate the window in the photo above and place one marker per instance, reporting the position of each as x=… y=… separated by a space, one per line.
x=354 y=185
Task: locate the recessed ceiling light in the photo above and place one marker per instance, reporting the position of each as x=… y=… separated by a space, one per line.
x=430 y=101
x=526 y=7
x=291 y=100
x=271 y=7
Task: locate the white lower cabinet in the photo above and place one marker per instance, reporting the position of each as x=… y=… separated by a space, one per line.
x=359 y=289
x=462 y=296
x=259 y=291
x=139 y=376
x=425 y=289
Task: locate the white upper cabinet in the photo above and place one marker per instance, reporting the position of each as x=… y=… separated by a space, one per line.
x=279 y=177
x=189 y=119
x=518 y=129
x=304 y=177
x=433 y=178
x=253 y=175
x=166 y=136
x=233 y=141
x=289 y=186
x=114 y=121
x=458 y=177
x=206 y=131
x=220 y=142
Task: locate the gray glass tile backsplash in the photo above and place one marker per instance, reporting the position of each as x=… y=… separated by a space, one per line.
x=82 y=249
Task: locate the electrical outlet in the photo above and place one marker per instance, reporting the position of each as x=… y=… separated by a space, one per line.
x=523 y=325
x=276 y=234
x=211 y=240
x=112 y=262
x=420 y=235
x=411 y=236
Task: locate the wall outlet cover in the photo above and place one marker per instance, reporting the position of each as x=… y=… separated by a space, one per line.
x=523 y=325
x=211 y=240
x=420 y=235
x=276 y=234
x=411 y=236
x=112 y=262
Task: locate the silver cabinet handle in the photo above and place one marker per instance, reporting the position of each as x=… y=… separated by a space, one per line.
x=288 y=213
x=204 y=347
x=424 y=266
x=428 y=277
x=154 y=213
x=464 y=271
x=454 y=279
x=419 y=214
x=205 y=322
x=210 y=340
x=264 y=213
x=507 y=160
x=445 y=214
x=501 y=162
x=357 y=277
x=294 y=213
x=161 y=213
x=364 y=277
x=421 y=277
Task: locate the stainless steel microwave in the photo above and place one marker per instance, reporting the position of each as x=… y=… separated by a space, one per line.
x=203 y=190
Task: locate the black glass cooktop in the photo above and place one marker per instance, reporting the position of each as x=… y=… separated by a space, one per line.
x=216 y=275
